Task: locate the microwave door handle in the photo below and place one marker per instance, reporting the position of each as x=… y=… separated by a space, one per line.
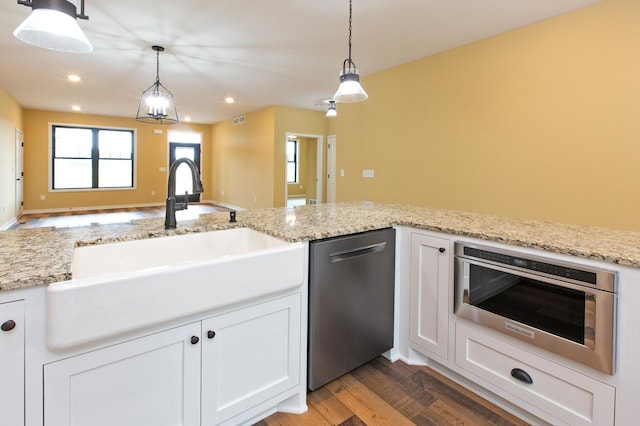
x=590 y=320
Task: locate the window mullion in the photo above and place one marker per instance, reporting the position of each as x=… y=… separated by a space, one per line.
x=95 y=158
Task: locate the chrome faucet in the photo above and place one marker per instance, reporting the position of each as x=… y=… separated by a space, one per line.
x=172 y=206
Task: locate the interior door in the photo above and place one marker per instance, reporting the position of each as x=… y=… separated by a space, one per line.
x=184 y=182
x=19 y=167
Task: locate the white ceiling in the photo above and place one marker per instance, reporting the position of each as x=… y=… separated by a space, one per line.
x=261 y=52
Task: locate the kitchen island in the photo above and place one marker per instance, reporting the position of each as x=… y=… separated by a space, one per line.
x=34 y=260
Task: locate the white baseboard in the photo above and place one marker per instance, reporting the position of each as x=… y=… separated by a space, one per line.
x=9 y=224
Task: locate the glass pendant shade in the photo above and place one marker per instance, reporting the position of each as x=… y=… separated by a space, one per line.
x=331 y=111
x=157 y=106
x=52 y=25
x=350 y=89
x=156 y=103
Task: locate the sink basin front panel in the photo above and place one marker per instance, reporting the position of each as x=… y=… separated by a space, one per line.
x=89 y=309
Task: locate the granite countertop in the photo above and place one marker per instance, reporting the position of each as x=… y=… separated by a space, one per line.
x=40 y=256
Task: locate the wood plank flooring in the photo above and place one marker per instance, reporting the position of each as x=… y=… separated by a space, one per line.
x=103 y=216
x=382 y=393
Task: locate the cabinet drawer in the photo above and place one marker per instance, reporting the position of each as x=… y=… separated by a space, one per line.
x=564 y=394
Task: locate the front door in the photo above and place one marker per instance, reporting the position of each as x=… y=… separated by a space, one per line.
x=184 y=182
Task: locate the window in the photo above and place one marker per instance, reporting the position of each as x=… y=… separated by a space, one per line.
x=292 y=161
x=91 y=158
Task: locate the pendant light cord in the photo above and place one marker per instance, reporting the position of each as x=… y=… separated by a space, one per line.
x=158 y=65
x=350 y=22
x=348 y=63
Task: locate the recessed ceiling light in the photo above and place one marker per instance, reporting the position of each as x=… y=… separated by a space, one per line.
x=75 y=107
x=74 y=77
x=229 y=100
x=187 y=118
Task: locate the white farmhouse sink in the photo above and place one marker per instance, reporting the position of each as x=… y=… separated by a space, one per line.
x=125 y=286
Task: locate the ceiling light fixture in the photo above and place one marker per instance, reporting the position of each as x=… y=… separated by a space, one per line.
x=52 y=24
x=350 y=89
x=331 y=111
x=156 y=104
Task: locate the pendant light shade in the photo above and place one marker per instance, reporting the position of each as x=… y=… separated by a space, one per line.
x=350 y=89
x=52 y=24
x=331 y=111
x=156 y=104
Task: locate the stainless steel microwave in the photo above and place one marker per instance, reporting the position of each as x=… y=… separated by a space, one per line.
x=565 y=308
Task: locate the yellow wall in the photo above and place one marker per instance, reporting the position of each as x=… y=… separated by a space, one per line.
x=151 y=154
x=242 y=160
x=311 y=167
x=248 y=160
x=11 y=118
x=541 y=122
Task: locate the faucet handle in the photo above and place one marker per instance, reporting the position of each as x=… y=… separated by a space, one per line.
x=186 y=200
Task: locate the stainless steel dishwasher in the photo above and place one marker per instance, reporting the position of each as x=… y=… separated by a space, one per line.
x=351 y=292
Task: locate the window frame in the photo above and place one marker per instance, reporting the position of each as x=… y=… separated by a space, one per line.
x=95 y=157
x=296 y=161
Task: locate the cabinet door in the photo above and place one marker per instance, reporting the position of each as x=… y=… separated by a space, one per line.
x=12 y=363
x=430 y=294
x=153 y=380
x=254 y=355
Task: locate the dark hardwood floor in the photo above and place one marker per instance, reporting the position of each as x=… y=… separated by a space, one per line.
x=89 y=217
x=394 y=394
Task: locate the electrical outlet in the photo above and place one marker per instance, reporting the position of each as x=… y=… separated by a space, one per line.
x=42 y=197
x=368 y=173
x=153 y=193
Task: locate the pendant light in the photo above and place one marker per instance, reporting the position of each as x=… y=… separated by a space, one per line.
x=331 y=111
x=350 y=89
x=52 y=24
x=156 y=104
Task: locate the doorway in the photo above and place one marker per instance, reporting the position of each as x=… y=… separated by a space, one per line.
x=185 y=145
x=331 y=168
x=304 y=169
x=19 y=172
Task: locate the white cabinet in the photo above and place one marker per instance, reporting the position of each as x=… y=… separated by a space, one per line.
x=153 y=380
x=204 y=372
x=562 y=395
x=248 y=357
x=12 y=363
x=430 y=299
